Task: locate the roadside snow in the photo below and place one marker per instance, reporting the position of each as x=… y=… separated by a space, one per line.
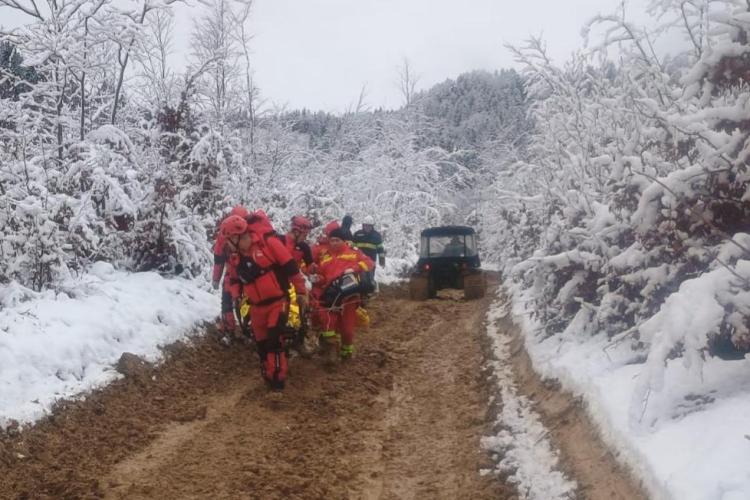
x=395 y=270
x=691 y=438
x=521 y=447
x=56 y=346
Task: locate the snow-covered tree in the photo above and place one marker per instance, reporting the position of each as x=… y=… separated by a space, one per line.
x=632 y=194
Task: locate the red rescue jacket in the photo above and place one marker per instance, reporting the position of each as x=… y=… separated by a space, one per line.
x=220 y=257
x=319 y=251
x=333 y=264
x=301 y=251
x=268 y=268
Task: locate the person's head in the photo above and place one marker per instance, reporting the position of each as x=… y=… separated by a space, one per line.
x=301 y=227
x=330 y=227
x=347 y=221
x=456 y=240
x=323 y=238
x=240 y=211
x=368 y=224
x=243 y=245
x=336 y=239
x=259 y=216
x=234 y=231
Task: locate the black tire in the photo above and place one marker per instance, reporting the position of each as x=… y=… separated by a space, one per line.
x=474 y=286
x=432 y=288
x=459 y=282
x=419 y=288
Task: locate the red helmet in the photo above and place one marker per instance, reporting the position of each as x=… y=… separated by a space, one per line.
x=257 y=216
x=301 y=223
x=330 y=227
x=234 y=225
x=241 y=211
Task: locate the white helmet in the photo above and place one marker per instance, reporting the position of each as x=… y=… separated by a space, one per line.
x=368 y=221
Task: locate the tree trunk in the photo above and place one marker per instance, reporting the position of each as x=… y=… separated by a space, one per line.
x=123 y=65
x=83 y=79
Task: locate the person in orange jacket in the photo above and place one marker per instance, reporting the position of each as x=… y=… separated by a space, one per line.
x=321 y=247
x=319 y=316
x=265 y=269
x=221 y=254
x=340 y=279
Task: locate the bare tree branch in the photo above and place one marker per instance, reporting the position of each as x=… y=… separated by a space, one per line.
x=407 y=81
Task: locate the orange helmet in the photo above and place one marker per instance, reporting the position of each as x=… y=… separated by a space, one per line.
x=241 y=211
x=301 y=224
x=234 y=225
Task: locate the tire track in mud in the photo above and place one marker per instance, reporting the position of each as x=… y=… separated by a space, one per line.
x=402 y=420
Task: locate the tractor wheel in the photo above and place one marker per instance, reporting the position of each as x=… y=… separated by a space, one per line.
x=432 y=288
x=474 y=286
x=419 y=288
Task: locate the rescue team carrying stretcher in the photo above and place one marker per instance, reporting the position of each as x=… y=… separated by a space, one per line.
x=268 y=272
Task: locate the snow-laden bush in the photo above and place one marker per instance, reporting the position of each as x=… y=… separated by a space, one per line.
x=637 y=184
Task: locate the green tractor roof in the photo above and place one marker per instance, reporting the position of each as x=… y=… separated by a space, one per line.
x=447 y=231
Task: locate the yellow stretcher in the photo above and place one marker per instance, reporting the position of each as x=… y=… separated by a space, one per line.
x=294 y=321
x=363 y=318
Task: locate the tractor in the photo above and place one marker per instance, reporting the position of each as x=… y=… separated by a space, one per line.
x=448 y=258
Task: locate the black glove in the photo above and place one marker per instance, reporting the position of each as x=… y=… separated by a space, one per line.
x=248 y=271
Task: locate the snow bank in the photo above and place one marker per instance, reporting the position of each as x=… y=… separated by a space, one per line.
x=691 y=439
x=394 y=271
x=527 y=455
x=56 y=346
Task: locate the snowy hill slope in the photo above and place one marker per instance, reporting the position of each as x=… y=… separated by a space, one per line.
x=58 y=345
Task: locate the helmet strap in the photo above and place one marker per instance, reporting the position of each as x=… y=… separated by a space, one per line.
x=235 y=241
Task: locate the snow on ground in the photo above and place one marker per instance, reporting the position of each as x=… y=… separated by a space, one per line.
x=521 y=448
x=58 y=345
x=395 y=270
x=692 y=438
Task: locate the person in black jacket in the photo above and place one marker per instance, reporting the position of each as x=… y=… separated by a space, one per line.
x=369 y=241
x=346 y=226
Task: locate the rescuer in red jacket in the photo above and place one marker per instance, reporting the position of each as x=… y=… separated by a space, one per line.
x=221 y=254
x=296 y=241
x=320 y=248
x=318 y=315
x=341 y=275
x=265 y=269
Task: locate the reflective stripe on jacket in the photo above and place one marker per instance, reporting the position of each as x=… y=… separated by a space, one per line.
x=332 y=265
x=370 y=243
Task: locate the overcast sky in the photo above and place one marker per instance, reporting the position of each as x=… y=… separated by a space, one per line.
x=319 y=53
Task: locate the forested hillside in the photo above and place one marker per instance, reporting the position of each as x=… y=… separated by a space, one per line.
x=107 y=154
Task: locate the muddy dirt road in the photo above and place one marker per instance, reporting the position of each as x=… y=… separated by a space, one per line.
x=401 y=421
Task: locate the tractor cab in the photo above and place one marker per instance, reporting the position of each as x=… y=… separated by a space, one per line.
x=448 y=258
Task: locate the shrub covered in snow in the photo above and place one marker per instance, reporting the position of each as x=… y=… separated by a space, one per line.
x=630 y=212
